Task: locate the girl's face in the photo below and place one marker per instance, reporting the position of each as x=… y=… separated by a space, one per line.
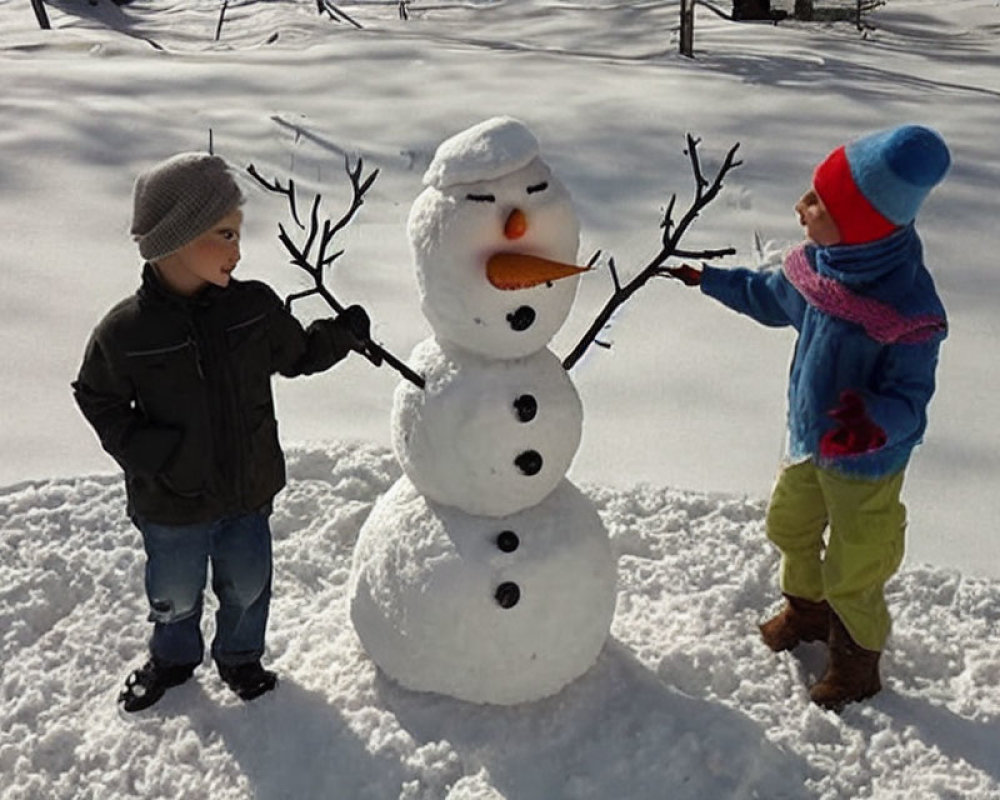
x=813 y=216
x=209 y=259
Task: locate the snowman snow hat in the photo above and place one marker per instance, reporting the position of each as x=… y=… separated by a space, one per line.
x=484 y=152
x=495 y=239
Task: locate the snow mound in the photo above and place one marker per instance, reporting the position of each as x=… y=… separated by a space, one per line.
x=683 y=702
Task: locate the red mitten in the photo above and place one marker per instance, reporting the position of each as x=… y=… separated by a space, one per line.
x=688 y=275
x=855 y=433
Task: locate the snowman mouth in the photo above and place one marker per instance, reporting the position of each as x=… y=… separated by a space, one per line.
x=509 y=271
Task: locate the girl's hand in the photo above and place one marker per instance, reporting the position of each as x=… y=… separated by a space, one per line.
x=686 y=274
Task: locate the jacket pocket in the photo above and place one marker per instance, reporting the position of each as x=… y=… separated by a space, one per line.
x=267 y=461
x=169 y=386
x=163 y=377
x=186 y=474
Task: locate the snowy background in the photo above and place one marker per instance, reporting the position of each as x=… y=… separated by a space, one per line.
x=683 y=417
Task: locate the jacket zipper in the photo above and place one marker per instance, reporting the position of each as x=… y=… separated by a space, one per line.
x=230 y=421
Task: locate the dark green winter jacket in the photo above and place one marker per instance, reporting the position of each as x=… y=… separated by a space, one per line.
x=179 y=392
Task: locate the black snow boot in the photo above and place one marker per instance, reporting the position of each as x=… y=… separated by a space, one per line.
x=249 y=681
x=149 y=683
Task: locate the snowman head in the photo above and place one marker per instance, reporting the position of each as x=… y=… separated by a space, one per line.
x=494 y=238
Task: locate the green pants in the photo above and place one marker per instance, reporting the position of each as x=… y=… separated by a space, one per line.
x=863 y=550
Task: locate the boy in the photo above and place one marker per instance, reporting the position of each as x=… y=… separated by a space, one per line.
x=870 y=324
x=176 y=381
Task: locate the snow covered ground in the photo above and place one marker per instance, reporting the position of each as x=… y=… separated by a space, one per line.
x=683 y=417
x=685 y=702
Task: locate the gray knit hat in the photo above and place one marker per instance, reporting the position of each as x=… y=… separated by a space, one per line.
x=177 y=200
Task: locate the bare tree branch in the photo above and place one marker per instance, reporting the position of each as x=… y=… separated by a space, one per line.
x=320 y=236
x=705 y=193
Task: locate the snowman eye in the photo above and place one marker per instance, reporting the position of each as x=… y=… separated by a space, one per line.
x=481 y=198
x=538 y=187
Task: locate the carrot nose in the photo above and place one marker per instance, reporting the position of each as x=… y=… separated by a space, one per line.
x=516 y=225
x=522 y=271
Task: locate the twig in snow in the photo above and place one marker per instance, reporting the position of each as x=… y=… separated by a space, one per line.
x=41 y=15
x=222 y=17
x=335 y=13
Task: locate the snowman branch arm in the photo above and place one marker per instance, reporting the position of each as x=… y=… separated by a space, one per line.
x=614 y=274
x=359 y=189
x=668 y=220
x=275 y=186
x=702 y=197
x=699 y=176
x=301 y=255
x=328 y=261
x=705 y=193
x=704 y=255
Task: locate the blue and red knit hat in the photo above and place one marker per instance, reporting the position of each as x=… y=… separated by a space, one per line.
x=875 y=184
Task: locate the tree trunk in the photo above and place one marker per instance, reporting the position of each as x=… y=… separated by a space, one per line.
x=687 y=28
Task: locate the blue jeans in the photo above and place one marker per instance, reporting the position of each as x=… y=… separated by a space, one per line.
x=177 y=558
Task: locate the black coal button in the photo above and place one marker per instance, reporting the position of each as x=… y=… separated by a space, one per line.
x=521 y=319
x=508 y=541
x=508 y=594
x=529 y=462
x=526 y=407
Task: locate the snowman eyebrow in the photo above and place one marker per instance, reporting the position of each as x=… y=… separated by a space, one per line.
x=538 y=187
x=481 y=198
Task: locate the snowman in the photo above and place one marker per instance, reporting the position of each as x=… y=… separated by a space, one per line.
x=483 y=573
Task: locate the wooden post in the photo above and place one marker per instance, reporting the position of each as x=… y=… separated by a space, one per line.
x=687 y=28
x=40 y=15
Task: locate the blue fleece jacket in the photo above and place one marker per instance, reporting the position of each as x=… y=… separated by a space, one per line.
x=832 y=354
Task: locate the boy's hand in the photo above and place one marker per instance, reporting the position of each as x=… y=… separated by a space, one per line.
x=855 y=433
x=355 y=321
x=685 y=273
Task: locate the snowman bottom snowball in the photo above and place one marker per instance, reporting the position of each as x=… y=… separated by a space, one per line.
x=489 y=610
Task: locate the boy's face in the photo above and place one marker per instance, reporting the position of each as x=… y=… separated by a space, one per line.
x=209 y=259
x=813 y=216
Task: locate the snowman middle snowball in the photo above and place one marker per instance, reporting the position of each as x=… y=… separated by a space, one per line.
x=484 y=574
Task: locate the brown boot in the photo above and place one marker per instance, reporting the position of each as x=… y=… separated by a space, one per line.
x=852 y=673
x=799 y=621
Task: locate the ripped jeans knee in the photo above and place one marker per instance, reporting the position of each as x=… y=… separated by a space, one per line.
x=166 y=611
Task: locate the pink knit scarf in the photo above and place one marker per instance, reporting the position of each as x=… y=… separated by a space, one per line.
x=881 y=321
